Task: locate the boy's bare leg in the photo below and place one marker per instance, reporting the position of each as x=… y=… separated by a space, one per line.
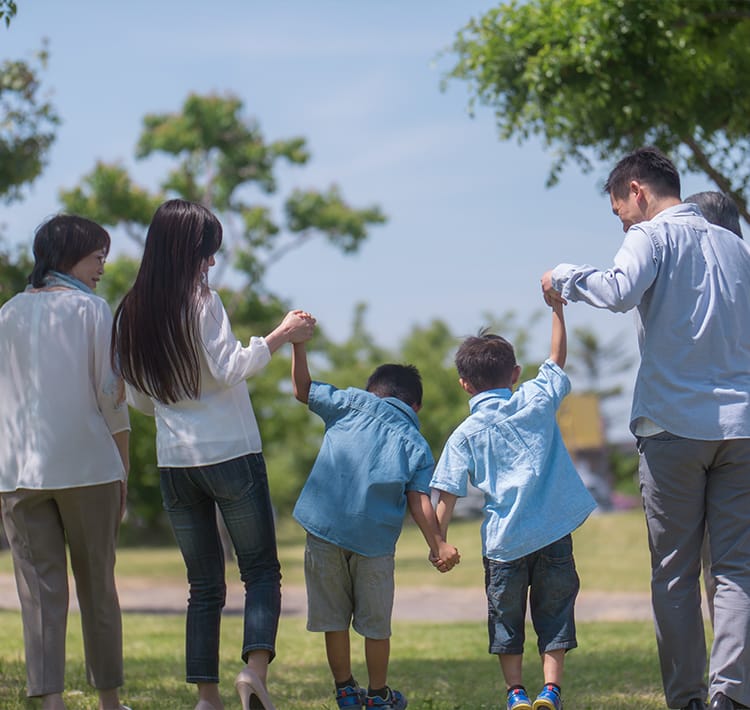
x=552 y=664
x=377 y=654
x=339 y=655
x=511 y=664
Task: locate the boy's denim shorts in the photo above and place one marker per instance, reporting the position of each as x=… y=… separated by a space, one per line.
x=549 y=579
x=342 y=585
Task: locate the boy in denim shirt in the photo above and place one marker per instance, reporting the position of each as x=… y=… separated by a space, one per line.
x=510 y=447
x=373 y=462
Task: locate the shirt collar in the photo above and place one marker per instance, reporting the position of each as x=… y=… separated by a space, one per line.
x=403 y=407
x=479 y=399
x=684 y=208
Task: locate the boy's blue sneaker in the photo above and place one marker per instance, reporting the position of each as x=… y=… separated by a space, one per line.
x=394 y=701
x=350 y=696
x=518 y=699
x=548 y=699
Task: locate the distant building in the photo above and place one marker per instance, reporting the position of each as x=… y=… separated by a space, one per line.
x=582 y=429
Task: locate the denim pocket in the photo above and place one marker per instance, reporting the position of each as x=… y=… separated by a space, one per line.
x=556 y=569
x=236 y=479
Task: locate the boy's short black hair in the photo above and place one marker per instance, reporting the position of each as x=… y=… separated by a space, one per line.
x=401 y=381
x=486 y=361
x=649 y=166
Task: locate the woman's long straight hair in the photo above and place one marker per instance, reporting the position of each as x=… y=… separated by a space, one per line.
x=155 y=338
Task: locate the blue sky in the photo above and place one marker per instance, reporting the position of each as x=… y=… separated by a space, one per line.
x=471 y=225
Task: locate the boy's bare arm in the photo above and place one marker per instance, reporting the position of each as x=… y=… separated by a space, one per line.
x=444 y=511
x=559 y=347
x=442 y=555
x=301 y=379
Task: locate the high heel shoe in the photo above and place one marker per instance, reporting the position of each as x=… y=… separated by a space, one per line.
x=252 y=692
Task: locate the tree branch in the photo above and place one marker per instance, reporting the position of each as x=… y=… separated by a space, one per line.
x=722 y=182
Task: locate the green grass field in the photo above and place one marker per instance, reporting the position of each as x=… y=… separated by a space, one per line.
x=440 y=666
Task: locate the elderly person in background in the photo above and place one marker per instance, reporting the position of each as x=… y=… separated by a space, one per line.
x=64 y=433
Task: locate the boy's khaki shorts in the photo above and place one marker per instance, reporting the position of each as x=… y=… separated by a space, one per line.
x=342 y=585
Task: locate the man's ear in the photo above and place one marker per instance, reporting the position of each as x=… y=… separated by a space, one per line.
x=416 y=407
x=467 y=386
x=516 y=374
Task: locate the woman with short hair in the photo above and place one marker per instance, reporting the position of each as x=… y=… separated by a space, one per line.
x=64 y=432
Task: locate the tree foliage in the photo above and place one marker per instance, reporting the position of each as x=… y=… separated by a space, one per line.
x=27 y=122
x=15 y=266
x=221 y=159
x=596 y=79
x=7 y=11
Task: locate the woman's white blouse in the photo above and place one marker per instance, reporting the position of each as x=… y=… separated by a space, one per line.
x=58 y=395
x=220 y=424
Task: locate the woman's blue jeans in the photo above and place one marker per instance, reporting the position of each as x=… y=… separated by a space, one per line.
x=239 y=488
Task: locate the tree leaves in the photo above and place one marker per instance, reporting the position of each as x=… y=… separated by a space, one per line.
x=596 y=79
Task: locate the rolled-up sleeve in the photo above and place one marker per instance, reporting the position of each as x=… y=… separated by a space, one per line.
x=228 y=360
x=619 y=288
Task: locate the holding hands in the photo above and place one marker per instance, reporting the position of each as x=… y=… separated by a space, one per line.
x=297 y=326
x=300 y=325
x=551 y=295
x=448 y=557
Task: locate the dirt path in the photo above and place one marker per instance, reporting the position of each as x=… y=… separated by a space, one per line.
x=429 y=603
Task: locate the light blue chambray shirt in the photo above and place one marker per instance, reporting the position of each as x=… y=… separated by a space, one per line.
x=372 y=454
x=511 y=449
x=690 y=283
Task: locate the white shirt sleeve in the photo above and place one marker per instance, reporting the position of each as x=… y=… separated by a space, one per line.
x=619 y=288
x=108 y=386
x=228 y=360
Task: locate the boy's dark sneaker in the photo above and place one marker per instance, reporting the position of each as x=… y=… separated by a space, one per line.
x=518 y=699
x=350 y=696
x=548 y=699
x=394 y=701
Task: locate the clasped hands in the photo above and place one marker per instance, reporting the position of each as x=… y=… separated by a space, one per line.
x=448 y=557
x=551 y=294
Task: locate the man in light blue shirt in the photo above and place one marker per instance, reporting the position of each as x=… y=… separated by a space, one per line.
x=372 y=464
x=511 y=449
x=689 y=281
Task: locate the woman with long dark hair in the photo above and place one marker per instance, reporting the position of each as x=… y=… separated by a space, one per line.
x=174 y=346
x=64 y=433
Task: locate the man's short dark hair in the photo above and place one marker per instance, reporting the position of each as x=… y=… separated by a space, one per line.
x=649 y=166
x=718 y=208
x=486 y=361
x=400 y=381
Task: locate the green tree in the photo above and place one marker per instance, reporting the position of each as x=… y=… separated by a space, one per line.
x=7 y=10
x=597 y=79
x=221 y=159
x=27 y=123
x=15 y=266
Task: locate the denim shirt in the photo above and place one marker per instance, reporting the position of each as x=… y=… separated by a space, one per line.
x=372 y=454
x=511 y=449
x=690 y=283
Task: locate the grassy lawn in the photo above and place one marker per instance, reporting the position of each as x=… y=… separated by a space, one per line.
x=439 y=666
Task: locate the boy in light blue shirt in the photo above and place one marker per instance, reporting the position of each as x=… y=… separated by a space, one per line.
x=372 y=464
x=510 y=447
